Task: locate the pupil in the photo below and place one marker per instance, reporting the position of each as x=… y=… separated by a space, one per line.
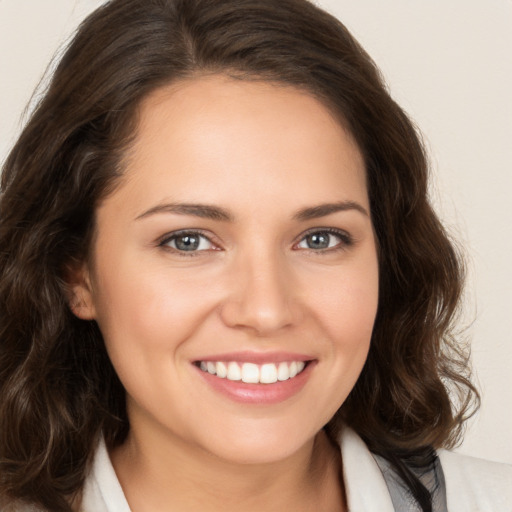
x=187 y=242
x=318 y=241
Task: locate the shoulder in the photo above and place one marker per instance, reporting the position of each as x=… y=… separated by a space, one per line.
x=474 y=484
x=17 y=507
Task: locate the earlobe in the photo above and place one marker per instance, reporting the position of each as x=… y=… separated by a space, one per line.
x=80 y=294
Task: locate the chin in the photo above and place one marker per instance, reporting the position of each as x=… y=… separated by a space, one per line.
x=259 y=444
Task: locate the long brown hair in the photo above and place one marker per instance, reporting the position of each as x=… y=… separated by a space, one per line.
x=58 y=389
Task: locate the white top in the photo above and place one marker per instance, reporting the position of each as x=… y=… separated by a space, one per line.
x=472 y=485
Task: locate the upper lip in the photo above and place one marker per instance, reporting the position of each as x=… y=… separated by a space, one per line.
x=257 y=357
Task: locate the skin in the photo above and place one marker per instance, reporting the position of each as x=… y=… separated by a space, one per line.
x=261 y=152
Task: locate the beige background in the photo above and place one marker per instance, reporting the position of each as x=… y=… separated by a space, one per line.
x=448 y=63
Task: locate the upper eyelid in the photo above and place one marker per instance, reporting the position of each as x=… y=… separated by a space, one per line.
x=332 y=231
x=324 y=229
x=174 y=234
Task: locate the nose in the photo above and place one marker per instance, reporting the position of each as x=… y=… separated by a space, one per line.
x=261 y=299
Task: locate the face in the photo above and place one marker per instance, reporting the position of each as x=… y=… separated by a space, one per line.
x=238 y=246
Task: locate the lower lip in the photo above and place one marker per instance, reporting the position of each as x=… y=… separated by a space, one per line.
x=265 y=394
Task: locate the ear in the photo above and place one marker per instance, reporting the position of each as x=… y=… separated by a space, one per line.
x=80 y=293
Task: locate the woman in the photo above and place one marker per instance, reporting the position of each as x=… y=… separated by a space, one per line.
x=219 y=266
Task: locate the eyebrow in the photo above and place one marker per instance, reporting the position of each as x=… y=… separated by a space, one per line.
x=322 y=210
x=206 y=211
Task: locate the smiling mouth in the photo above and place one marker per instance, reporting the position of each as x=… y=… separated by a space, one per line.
x=251 y=373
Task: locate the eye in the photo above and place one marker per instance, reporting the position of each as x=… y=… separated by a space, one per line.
x=325 y=239
x=187 y=241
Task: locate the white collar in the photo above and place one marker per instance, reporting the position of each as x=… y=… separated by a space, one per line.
x=102 y=490
x=365 y=486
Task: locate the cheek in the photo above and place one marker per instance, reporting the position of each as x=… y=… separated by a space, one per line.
x=343 y=308
x=141 y=306
x=146 y=320
x=347 y=305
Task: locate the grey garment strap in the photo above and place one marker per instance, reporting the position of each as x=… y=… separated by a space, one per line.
x=401 y=497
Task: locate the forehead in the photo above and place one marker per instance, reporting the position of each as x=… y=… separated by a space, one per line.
x=219 y=138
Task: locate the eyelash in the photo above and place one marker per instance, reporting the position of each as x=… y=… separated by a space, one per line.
x=178 y=234
x=346 y=241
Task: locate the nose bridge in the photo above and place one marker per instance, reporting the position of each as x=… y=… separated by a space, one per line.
x=261 y=295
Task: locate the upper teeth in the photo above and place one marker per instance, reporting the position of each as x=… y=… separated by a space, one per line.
x=251 y=373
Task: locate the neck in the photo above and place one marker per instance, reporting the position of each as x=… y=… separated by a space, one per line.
x=161 y=475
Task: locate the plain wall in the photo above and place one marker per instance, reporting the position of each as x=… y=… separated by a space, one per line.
x=448 y=63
